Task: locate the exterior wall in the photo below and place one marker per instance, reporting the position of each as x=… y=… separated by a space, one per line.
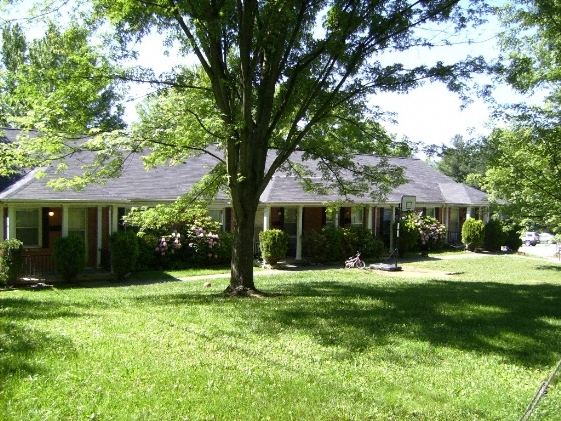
x=313 y=219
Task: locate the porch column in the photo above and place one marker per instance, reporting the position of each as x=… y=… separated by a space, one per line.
x=392 y=222
x=2 y=222
x=99 y=235
x=64 y=232
x=11 y=222
x=299 y=232
x=376 y=223
x=266 y=218
x=369 y=222
x=469 y=212
x=337 y=212
x=114 y=219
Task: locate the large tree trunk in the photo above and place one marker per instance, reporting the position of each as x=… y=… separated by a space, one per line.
x=241 y=279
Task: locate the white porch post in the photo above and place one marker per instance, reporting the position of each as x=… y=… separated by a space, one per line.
x=99 y=235
x=336 y=221
x=266 y=218
x=64 y=221
x=376 y=223
x=114 y=219
x=2 y=221
x=299 y=232
x=369 y=222
x=11 y=222
x=469 y=211
x=392 y=222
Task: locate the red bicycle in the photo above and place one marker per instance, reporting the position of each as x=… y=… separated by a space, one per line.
x=355 y=262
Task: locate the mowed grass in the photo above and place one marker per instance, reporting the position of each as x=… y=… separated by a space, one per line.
x=458 y=339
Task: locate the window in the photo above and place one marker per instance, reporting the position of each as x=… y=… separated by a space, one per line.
x=357 y=216
x=430 y=212
x=330 y=214
x=77 y=222
x=290 y=221
x=27 y=227
x=217 y=215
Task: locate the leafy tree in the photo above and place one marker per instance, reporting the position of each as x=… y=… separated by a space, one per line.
x=464 y=160
x=57 y=82
x=525 y=171
x=272 y=77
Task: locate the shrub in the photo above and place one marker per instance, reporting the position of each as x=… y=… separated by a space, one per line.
x=432 y=234
x=147 y=257
x=408 y=234
x=124 y=252
x=421 y=233
x=473 y=232
x=361 y=239
x=274 y=245
x=335 y=244
x=494 y=235
x=11 y=261
x=513 y=240
x=224 y=251
x=70 y=256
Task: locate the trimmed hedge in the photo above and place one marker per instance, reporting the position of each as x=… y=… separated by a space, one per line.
x=70 y=256
x=11 y=261
x=473 y=233
x=124 y=253
x=274 y=245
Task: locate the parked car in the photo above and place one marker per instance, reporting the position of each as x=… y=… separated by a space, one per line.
x=531 y=238
x=546 y=237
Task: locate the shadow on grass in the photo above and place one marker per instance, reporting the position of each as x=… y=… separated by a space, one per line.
x=519 y=323
x=21 y=344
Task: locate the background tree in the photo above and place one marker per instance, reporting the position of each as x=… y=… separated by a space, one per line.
x=57 y=82
x=463 y=160
x=274 y=77
x=525 y=171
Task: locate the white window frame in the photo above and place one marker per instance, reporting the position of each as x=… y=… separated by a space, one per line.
x=357 y=217
x=39 y=226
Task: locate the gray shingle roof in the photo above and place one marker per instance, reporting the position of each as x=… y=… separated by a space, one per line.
x=166 y=183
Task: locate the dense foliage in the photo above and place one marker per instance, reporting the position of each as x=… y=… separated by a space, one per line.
x=124 y=253
x=473 y=233
x=332 y=245
x=495 y=235
x=69 y=255
x=420 y=233
x=274 y=245
x=177 y=238
x=11 y=261
x=524 y=172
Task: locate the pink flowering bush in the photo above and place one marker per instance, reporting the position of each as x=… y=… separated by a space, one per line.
x=421 y=233
x=432 y=234
x=168 y=244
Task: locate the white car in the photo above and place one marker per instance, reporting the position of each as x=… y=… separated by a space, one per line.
x=530 y=238
x=546 y=237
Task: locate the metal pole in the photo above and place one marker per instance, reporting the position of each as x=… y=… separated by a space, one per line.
x=396 y=252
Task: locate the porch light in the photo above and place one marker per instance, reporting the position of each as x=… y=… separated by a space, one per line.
x=51 y=213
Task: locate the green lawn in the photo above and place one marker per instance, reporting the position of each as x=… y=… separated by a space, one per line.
x=458 y=339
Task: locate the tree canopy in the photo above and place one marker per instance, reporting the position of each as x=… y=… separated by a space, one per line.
x=525 y=169
x=58 y=82
x=271 y=77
